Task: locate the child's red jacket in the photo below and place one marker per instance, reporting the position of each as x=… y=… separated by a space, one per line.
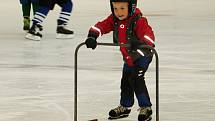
x=142 y=31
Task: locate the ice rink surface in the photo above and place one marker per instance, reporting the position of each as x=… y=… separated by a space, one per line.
x=36 y=77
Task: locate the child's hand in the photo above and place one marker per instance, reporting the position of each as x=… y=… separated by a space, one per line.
x=91 y=42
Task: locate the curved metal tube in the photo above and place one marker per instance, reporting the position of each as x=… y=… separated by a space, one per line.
x=113 y=44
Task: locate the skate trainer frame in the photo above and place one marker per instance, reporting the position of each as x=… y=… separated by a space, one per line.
x=112 y=44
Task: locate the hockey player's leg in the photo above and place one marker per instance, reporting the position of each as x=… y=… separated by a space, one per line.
x=26 y=23
x=36 y=28
x=26 y=8
x=34 y=32
x=62 y=31
x=35 y=5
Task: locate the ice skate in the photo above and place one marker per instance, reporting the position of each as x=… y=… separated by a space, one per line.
x=34 y=33
x=119 y=112
x=145 y=114
x=64 y=33
x=26 y=23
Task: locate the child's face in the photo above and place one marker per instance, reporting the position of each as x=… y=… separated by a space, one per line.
x=120 y=10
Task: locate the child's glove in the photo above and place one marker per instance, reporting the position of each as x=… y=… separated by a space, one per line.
x=91 y=40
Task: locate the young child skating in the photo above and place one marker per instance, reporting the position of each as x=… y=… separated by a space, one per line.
x=129 y=27
x=26 y=11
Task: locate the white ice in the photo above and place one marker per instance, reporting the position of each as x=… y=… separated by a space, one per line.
x=37 y=78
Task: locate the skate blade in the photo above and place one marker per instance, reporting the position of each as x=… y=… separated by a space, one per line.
x=149 y=119
x=32 y=37
x=119 y=117
x=64 y=36
x=26 y=29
